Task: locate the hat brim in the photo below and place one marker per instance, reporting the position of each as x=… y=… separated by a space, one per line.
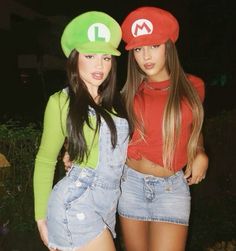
x=145 y=40
x=105 y=48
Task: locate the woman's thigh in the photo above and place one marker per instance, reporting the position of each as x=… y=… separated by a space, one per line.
x=103 y=242
x=135 y=234
x=153 y=236
x=167 y=236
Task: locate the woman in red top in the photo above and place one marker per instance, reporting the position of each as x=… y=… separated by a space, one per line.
x=166 y=152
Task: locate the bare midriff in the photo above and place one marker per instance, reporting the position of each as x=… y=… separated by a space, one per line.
x=148 y=167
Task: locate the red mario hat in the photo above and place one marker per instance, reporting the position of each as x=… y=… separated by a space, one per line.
x=149 y=26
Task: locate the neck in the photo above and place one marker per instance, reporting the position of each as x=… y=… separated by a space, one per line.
x=156 y=88
x=160 y=86
x=97 y=99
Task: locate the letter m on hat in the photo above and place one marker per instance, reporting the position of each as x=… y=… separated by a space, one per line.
x=141 y=27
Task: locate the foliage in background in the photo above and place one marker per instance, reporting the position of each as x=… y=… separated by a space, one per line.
x=213 y=215
x=19 y=144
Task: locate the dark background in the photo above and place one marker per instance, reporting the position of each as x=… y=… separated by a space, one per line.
x=206 y=48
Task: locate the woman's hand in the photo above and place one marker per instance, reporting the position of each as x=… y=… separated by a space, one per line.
x=67 y=161
x=43 y=231
x=198 y=170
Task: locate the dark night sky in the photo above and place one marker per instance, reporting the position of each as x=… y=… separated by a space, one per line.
x=206 y=43
x=115 y=8
x=206 y=26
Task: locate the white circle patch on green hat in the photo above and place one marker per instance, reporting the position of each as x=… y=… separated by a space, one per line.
x=99 y=32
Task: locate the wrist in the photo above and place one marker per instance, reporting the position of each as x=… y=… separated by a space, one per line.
x=40 y=221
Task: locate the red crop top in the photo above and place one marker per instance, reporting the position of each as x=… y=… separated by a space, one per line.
x=149 y=104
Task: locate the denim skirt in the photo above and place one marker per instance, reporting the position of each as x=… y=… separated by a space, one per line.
x=149 y=198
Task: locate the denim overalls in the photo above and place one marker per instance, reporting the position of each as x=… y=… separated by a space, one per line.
x=84 y=202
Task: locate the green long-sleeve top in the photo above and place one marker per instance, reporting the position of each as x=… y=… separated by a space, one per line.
x=53 y=137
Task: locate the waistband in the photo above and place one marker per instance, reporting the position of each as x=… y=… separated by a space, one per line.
x=92 y=177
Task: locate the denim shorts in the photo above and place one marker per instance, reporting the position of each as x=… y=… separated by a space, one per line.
x=84 y=203
x=80 y=207
x=149 y=198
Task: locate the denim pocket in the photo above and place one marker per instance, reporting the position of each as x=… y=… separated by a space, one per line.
x=77 y=194
x=78 y=188
x=105 y=200
x=179 y=186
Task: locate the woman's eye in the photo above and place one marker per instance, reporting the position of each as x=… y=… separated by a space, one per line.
x=155 y=46
x=88 y=56
x=107 y=58
x=137 y=49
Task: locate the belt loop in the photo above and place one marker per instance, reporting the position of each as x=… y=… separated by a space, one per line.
x=148 y=190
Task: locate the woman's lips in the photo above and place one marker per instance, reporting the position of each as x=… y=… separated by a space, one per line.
x=97 y=75
x=148 y=66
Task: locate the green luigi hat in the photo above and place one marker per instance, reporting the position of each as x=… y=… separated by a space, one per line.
x=92 y=32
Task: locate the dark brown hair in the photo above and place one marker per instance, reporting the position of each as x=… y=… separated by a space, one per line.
x=80 y=102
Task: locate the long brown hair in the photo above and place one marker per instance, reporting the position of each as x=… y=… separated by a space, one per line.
x=180 y=89
x=80 y=102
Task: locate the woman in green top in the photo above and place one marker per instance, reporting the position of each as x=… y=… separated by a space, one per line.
x=79 y=213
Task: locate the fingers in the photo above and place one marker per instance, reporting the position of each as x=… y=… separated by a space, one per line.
x=52 y=249
x=198 y=180
x=67 y=162
x=187 y=174
x=66 y=157
x=195 y=180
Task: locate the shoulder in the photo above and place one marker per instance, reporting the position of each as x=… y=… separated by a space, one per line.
x=58 y=101
x=60 y=97
x=196 y=81
x=198 y=84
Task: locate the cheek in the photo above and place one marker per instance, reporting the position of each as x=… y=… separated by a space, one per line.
x=161 y=59
x=81 y=72
x=80 y=66
x=137 y=58
x=163 y=56
x=163 y=62
x=159 y=55
x=108 y=69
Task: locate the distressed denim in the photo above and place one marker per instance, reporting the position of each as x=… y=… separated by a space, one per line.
x=84 y=202
x=150 y=198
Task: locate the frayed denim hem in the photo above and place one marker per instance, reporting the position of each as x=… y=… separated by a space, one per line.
x=54 y=246
x=61 y=248
x=155 y=219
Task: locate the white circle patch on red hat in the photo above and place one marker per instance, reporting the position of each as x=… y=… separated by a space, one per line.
x=141 y=27
x=99 y=32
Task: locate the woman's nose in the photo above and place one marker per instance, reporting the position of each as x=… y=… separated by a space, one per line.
x=146 y=53
x=99 y=63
